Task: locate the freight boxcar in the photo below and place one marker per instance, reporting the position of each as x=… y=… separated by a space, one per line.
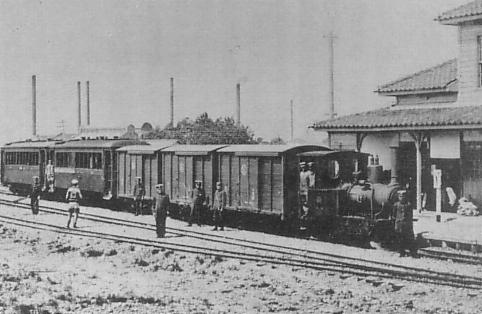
x=262 y=179
x=93 y=163
x=23 y=160
x=141 y=161
x=184 y=164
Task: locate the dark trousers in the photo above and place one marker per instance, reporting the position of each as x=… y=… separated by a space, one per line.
x=160 y=224
x=138 y=205
x=196 y=214
x=405 y=242
x=34 y=204
x=218 y=217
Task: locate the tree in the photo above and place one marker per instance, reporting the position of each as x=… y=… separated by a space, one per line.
x=204 y=130
x=277 y=141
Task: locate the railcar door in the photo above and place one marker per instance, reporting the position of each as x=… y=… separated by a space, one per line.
x=41 y=166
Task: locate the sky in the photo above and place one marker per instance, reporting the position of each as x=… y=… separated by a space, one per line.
x=276 y=49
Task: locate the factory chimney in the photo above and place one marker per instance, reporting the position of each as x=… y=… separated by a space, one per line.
x=79 y=111
x=88 y=102
x=238 y=104
x=171 y=122
x=34 y=105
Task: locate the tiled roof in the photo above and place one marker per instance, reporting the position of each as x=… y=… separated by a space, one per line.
x=468 y=10
x=441 y=77
x=406 y=118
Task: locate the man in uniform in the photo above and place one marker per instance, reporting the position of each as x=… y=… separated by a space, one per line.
x=404 y=225
x=73 y=196
x=304 y=182
x=160 y=208
x=35 y=195
x=311 y=174
x=139 y=193
x=219 y=204
x=198 y=198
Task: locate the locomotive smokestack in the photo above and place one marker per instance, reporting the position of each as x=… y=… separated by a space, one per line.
x=238 y=104
x=79 y=110
x=34 y=105
x=172 y=103
x=88 y=102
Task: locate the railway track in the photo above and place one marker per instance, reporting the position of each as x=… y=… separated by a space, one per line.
x=255 y=251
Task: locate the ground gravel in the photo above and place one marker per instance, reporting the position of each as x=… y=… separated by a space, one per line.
x=44 y=272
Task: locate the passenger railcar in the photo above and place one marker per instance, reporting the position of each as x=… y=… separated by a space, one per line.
x=92 y=162
x=23 y=160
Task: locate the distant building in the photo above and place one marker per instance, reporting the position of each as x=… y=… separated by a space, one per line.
x=436 y=121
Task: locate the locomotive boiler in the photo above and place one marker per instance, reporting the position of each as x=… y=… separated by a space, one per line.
x=345 y=193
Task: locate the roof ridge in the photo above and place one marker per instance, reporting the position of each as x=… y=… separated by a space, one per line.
x=405 y=77
x=444 y=15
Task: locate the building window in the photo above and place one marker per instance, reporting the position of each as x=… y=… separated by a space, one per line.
x=62 y=159
x=479 y=59
x=88 y=160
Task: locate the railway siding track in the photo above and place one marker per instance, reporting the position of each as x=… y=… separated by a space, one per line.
x=275 y=254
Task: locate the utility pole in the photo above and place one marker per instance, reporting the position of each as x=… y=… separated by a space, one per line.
x=292 y=125
x=331 y=79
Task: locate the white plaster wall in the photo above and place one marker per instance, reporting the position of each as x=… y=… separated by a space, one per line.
x=379 y=144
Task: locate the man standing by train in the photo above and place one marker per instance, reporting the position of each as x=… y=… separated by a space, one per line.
x=35 y=195
x=219 y=204
x=160 y=208
x=139 y=193
x=73 y=196
x=198 y=199
x=404 y=225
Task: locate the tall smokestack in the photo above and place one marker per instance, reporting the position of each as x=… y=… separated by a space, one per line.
x=331 y=79
x=238 y=104
x=79 y=110
x=291 y=120
x=34 y=105
x=88 y=102
x=172 y=103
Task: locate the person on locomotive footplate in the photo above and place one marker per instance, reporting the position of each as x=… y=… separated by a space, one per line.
x=35 y=195
x=404 y=225
x=160 y=208
x=311 y=174
x=139 y=192
x=198 y=199
x=73 y=196
x=219 y=204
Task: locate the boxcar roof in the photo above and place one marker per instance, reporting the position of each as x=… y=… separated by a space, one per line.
x=31 y=144
x=193 y=149
x=266 y=150
x=147 y=149
x=98 y=143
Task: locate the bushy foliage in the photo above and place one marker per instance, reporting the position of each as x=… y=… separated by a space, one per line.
x=205 y=130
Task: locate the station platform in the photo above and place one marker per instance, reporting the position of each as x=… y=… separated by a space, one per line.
x=453 y=231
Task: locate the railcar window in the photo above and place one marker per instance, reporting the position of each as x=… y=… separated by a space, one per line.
x=22 y=158
x=62 y=159
x=333 y=169
x=88 y=160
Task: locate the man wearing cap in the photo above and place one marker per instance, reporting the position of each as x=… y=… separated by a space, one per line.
x=219 y=204
x=73 y=196
x=311 y=174
x=304 y=182
x=404 y=225
x=139 y=193
x=198 y=198
x=35 y=195
x=160 y=208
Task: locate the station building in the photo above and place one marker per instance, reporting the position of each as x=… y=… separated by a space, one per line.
x=435 y=123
